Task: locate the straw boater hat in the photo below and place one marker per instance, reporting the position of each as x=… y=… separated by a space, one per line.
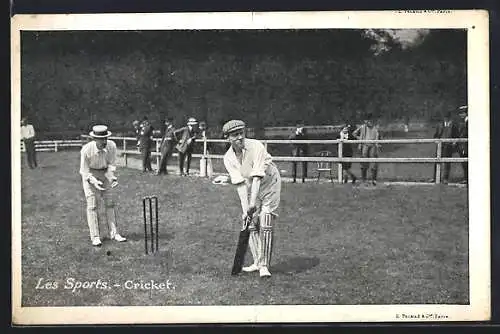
x=232 y=125
x=192 y=121
x=463 y=109
x=100 y=131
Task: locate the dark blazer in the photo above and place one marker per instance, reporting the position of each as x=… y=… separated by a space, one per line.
x=347 y=150
x=145 y=135
x=450 y=131
x=463 y=132
x=168 y=139
x=185 y=139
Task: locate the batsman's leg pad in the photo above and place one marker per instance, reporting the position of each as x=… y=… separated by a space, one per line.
x=254 y=243
x=266 y=235
x=92 y=217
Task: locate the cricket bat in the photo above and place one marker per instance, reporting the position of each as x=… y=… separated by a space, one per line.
x=241 y=247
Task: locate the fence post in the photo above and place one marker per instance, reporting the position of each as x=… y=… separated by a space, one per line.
x=55 y=145
x=203 y=159
x=157 y=154
x=340 y=163
x=124 y=144
x=438 y=165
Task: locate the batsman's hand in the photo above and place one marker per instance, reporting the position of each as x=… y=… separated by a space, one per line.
x=249 y=213
x=114 y=183
x=251 y=210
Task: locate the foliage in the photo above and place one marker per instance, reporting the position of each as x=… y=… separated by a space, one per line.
x=269 y=78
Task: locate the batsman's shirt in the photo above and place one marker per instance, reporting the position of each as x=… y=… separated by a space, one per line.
x=92 y=160
x=256 y=161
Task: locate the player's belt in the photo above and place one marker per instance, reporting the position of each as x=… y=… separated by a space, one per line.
x=99 y=169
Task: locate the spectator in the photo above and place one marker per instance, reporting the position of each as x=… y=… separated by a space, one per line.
x=407 y=123
x=463 y=132
x=368 y=131
x=446 y=129
x=137 y=130
x=185 y=138
x=347 y=151
x=28 y=137
x=299 y=150
x=145 y=144
x=167 y=146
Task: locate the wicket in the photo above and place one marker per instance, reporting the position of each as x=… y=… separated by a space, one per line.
x=150 y=204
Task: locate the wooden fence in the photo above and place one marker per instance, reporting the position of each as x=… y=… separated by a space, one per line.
x=127 y=149
x=54 y=145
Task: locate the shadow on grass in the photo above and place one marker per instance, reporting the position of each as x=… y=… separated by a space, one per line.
x=296 y=265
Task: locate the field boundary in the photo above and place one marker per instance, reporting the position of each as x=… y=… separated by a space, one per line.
x=126 y=152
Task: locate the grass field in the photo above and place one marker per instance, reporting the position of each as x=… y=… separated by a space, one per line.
x=335 y=244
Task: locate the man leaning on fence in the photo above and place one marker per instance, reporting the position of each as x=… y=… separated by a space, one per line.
x=28 y=138
x=368 y=131
x=185 y=138
x=446 y=129
x=97 y=167
x=167 y=146
x=145 y=144
x=299 y=150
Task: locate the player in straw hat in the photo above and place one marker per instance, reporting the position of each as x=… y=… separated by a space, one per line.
x=258 y=183
x=97 y=167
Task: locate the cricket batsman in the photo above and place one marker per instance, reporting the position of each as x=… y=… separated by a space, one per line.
x=258 y=183
x=97 y=167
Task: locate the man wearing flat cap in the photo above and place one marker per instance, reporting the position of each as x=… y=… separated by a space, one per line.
x=97 y=167
x=258 y=182
x=185 y=138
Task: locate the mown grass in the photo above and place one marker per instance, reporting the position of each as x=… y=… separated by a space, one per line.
x=335 y=244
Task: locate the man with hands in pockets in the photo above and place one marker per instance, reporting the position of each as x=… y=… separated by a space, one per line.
x=97 y=167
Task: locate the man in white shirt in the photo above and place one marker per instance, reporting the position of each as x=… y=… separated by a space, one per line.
x=28 y=137
x=258 y=184
x=97 y=167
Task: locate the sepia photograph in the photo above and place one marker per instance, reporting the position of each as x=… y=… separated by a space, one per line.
x=250 y=167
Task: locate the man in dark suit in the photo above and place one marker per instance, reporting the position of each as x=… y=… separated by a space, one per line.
x=447 y=128
x=463 y=132
x=347 y=151
x=185 y=138
x=299 y=150
x=145 y=144
x=167 y=146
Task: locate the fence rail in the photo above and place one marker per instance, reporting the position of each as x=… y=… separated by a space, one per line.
x=55 y=145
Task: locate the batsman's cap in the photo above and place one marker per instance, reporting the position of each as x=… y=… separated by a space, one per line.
x=100 y=131
x=463 y=109
x=369 y=116
x=192 y=121
x=232 y=125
